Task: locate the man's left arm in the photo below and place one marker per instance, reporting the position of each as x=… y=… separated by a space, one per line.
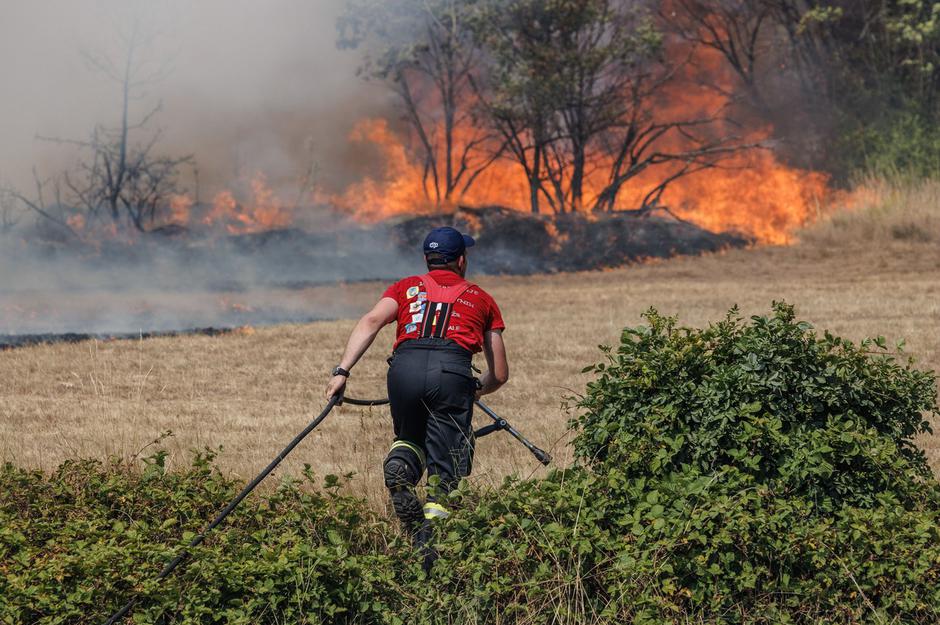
x=384 y=312
x=497 y=365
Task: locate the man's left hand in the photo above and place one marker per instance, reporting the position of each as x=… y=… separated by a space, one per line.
x=336 y=386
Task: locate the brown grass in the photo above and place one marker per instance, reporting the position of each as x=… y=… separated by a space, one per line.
x=887 y=211
x=252 y=391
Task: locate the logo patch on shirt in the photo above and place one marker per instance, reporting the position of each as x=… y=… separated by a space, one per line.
x=416 y=307
x=410 y=328
x=412 y=291
x=417 y=318
x=422 y=296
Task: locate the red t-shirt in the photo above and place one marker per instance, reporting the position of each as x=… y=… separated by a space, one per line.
x=474 y=313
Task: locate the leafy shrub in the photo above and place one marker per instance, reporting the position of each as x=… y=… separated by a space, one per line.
x=75 y=545
x=899 y=144
x=583 y=548
x=749 y=472
x=781 y=407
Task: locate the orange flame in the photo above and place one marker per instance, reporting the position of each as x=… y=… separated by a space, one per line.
x=752 y=192
x=761 y=197
x=401 y=190
x=180 y=209
x=76 y=222
x=264 y=212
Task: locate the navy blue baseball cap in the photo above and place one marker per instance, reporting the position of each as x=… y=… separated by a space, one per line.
x=447 y=242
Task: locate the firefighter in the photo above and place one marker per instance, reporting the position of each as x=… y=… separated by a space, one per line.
x=442 y=321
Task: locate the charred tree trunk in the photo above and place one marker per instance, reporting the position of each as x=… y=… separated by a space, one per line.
x=578 y=160
x=535 y=179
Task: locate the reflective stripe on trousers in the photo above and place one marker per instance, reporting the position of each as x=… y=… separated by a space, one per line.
x=417 y=450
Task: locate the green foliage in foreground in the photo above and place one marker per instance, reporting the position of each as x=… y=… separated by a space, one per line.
x=750 y=472
x=75 y=545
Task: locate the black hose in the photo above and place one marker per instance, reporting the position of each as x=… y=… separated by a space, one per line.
x=364 y=402
x=335 y=400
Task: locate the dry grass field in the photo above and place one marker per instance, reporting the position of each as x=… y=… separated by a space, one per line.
x=874 y=271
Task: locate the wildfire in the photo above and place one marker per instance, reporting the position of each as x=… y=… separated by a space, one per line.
x=401 y=189
x=751 y=192
x=180 y=209
x=265 y=211
x=760 y=197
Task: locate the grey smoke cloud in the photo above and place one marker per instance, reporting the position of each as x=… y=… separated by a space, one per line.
x=184 y=283
x=250 y=85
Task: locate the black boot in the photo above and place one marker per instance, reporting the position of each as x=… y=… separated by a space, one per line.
x=408 y=510
x=402 y=469
x=424 y=543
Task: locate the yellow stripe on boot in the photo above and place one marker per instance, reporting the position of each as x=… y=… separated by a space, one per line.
x=435 y=511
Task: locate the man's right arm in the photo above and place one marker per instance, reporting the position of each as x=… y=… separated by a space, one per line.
x=497 y=365
x=384 y=312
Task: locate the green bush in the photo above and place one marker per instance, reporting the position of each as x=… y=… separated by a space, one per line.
x=75 y=545
x=772 y=402
x=581 y=548
x=902 y=145
x=749 y=472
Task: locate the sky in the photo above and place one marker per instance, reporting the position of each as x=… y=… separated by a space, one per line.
x=245 y=85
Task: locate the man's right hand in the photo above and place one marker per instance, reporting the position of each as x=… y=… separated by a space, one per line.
x=336 y=385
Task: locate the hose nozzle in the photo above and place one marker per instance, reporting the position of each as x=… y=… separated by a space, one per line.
x=542 y=456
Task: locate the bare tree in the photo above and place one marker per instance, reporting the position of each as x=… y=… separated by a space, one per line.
x=119 y=180
x=119 y=176
x=47 y=203
x=737 y=29
x=424 y=50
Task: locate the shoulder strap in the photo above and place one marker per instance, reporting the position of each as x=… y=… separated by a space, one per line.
x=439 y=306
x=443 y=294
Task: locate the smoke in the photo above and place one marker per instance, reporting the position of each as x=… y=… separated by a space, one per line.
x=185 y=283
x=246 y=86
x=260 y=96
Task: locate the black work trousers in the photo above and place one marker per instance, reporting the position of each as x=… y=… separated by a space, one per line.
x=431 y=390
